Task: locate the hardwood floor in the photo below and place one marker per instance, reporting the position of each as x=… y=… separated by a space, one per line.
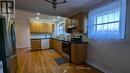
x=43 y=61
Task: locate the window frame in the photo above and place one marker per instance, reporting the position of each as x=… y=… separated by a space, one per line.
x=121 y=26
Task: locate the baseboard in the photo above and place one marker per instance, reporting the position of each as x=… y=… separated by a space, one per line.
x=98 y=67
x=23 y=47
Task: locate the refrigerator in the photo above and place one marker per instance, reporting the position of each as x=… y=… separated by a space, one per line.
x=8 y=52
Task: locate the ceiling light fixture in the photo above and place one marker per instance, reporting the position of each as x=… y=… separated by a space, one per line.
x=38 y=13
x=58 y=17
x=54 y=20
x=37 y=18
x=55 y=2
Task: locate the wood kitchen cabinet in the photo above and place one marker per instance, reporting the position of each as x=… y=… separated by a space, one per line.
x=50 y=28
x=35 y=44
x=41 y=28
x=38 y=44
x=36 y=28
x=57 y=45
x=79 y=52
x=80 y=17
x=51 y=42
x=33 y=28
x=54 y=43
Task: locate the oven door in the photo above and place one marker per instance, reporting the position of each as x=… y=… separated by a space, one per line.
x=66 y=49
x=66 y=46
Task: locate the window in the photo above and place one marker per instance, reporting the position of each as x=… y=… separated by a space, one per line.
x=107 y=22
x=59 y=29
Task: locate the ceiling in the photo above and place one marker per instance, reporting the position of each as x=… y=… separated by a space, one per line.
x=66 y=9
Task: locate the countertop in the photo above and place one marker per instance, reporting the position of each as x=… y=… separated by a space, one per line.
x=39 y=38
x=71 y=41
x=64 y=40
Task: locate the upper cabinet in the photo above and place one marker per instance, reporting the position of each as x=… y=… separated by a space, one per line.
x=71 y=23
x=44 y=28
x=80 y=19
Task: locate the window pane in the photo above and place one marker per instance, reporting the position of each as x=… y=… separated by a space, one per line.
x=99 y=28
x=95 y=20
x=105 y=27
x=117 y=16
x=113 y=26
x=105 y=19
x=111 y=17
x=99 y=20
x=116 y=26
x=109 y=27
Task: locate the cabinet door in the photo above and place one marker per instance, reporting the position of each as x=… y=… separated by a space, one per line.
x=40 y=28
x=59 y=46
x=79 y=53
x=35 y=44
x=55 y=44
x=33 y=27
x=49 y=28
x=45 y=28
x=51 y=43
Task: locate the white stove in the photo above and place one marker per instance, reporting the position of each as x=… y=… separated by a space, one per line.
x=1 y=67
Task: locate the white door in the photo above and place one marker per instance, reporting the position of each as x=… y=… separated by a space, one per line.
x=45 y=43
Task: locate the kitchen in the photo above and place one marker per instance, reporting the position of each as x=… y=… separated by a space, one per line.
x=75 y=36
x=50 y=34
x=58 y=36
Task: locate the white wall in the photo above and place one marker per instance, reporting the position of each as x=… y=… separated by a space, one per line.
x=112 y=56
x=22 y=26
x=22 y=29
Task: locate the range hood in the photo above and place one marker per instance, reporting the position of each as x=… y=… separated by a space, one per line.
x=71 y=27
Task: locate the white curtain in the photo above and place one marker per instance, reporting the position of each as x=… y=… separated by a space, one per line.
x=108 y=21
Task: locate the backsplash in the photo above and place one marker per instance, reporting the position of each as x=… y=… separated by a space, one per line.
x=83 y=36
x=41 y=35
x=66 y=36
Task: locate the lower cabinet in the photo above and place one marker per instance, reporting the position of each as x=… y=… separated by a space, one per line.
x=35 y=44
x=79 y=53
x=54 y=44
x=57 y=45
x=78 y=50
x=51 y=43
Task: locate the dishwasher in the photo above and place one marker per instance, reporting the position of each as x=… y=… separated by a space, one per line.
x=45 y=43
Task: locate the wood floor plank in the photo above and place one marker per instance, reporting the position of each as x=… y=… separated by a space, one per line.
x=43 y=61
